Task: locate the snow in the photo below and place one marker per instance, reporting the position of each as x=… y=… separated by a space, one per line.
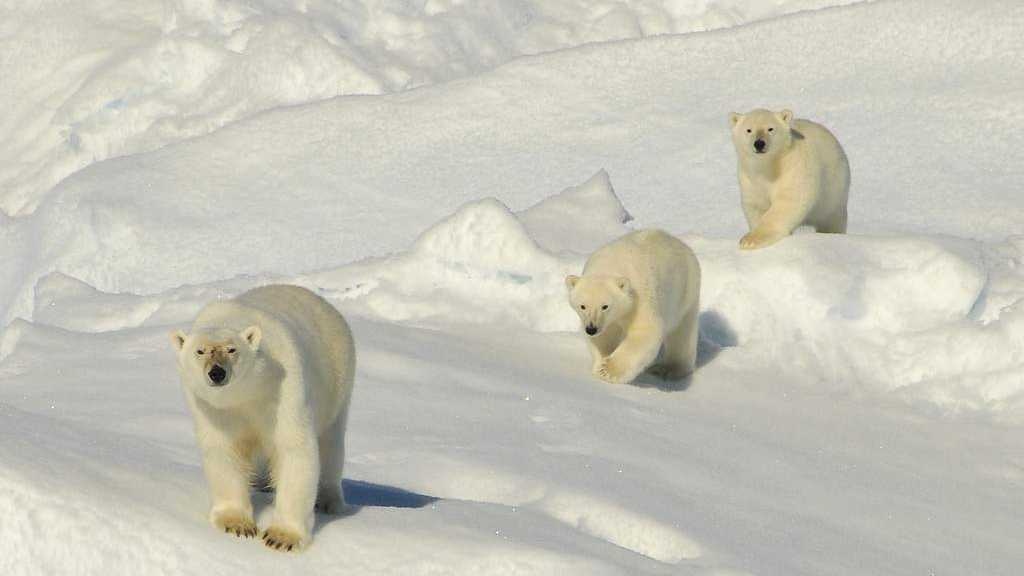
x=88 y=81
x=859 y=399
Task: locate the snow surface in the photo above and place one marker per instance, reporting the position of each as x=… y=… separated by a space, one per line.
x=859 y=400
x=87 y=81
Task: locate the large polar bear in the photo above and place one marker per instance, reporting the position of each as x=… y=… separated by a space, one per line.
x=268 y=377
x=637 y=300
x=792 y=172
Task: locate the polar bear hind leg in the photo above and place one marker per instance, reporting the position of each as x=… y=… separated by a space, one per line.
x=679 y=357
x=330 y=499
x=835 y=225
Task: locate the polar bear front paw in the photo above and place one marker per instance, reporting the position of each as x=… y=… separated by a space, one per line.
x=235 y=522
x=757 y=239
x=283 y=539
x=613 y=371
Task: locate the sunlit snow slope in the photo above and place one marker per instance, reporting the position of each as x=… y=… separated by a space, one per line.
x=87 y=81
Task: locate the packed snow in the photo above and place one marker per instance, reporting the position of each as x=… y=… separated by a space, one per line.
x=859 y=398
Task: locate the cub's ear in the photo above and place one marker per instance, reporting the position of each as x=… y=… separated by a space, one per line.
x=252 y=335
x=787 y=117
x=734 y=118
x=623 y=283
x=570 y=281
x=178 y=339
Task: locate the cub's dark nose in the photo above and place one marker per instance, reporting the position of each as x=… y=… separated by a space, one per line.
x=759 y=145
x=591 y=329
x=217 y=374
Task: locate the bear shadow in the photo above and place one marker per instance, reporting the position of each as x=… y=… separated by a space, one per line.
x=715 y=334
x=358 y=495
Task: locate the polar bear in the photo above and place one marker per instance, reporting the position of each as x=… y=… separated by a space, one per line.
x=792 y=172
x=638 y=301
x=268 y=377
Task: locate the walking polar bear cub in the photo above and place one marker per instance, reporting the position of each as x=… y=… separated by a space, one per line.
x=792 y=172
x=638 y=302
x=268 y=377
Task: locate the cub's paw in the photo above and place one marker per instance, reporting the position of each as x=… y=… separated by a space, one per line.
x=283 y=539
x=757 y=239
x=235 y=522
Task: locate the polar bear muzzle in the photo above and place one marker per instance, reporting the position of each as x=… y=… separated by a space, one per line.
x=218 y=375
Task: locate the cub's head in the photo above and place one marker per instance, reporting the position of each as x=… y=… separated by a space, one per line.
x=761 y=134
x=600 y=300
x=215 y=365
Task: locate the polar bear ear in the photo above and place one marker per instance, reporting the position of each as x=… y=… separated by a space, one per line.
x=734 y=118
x=252 y=335
x=623 y=283
x=178 y=339
x=787 y=117
x=570 y=281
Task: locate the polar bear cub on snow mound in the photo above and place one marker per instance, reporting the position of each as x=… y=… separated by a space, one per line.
x=638 y=302
x=792 y=172
x=268 y=377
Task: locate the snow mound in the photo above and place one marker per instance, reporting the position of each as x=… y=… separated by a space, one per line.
x=933 y=318
x=578 y=219
x=486 y=264
x=482 y=264
x=119 y=78
x=915 y=315
x=863 y=284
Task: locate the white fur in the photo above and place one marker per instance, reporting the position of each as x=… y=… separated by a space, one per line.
x=641 y=293
x=290 y=362
x=803 y=176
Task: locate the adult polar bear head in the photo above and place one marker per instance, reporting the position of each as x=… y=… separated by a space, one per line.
x=223 y=367
x=600 y=300
x=761 y=134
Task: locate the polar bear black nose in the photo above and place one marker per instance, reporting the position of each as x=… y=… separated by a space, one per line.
x=591 y=329
x=217 y=374
x=759 y=145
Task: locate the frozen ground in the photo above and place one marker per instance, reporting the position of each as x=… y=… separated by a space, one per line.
x=860 y=398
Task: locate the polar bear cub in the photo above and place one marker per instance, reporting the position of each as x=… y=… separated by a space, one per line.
x=792 y=172
x=268 y=377
x=638 y=302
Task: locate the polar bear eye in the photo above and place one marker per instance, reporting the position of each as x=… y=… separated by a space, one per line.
x=771 y=129
x=582 y=307
x=231 y=350
x=200 y=352
x=748 y=130
x=604 y=307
